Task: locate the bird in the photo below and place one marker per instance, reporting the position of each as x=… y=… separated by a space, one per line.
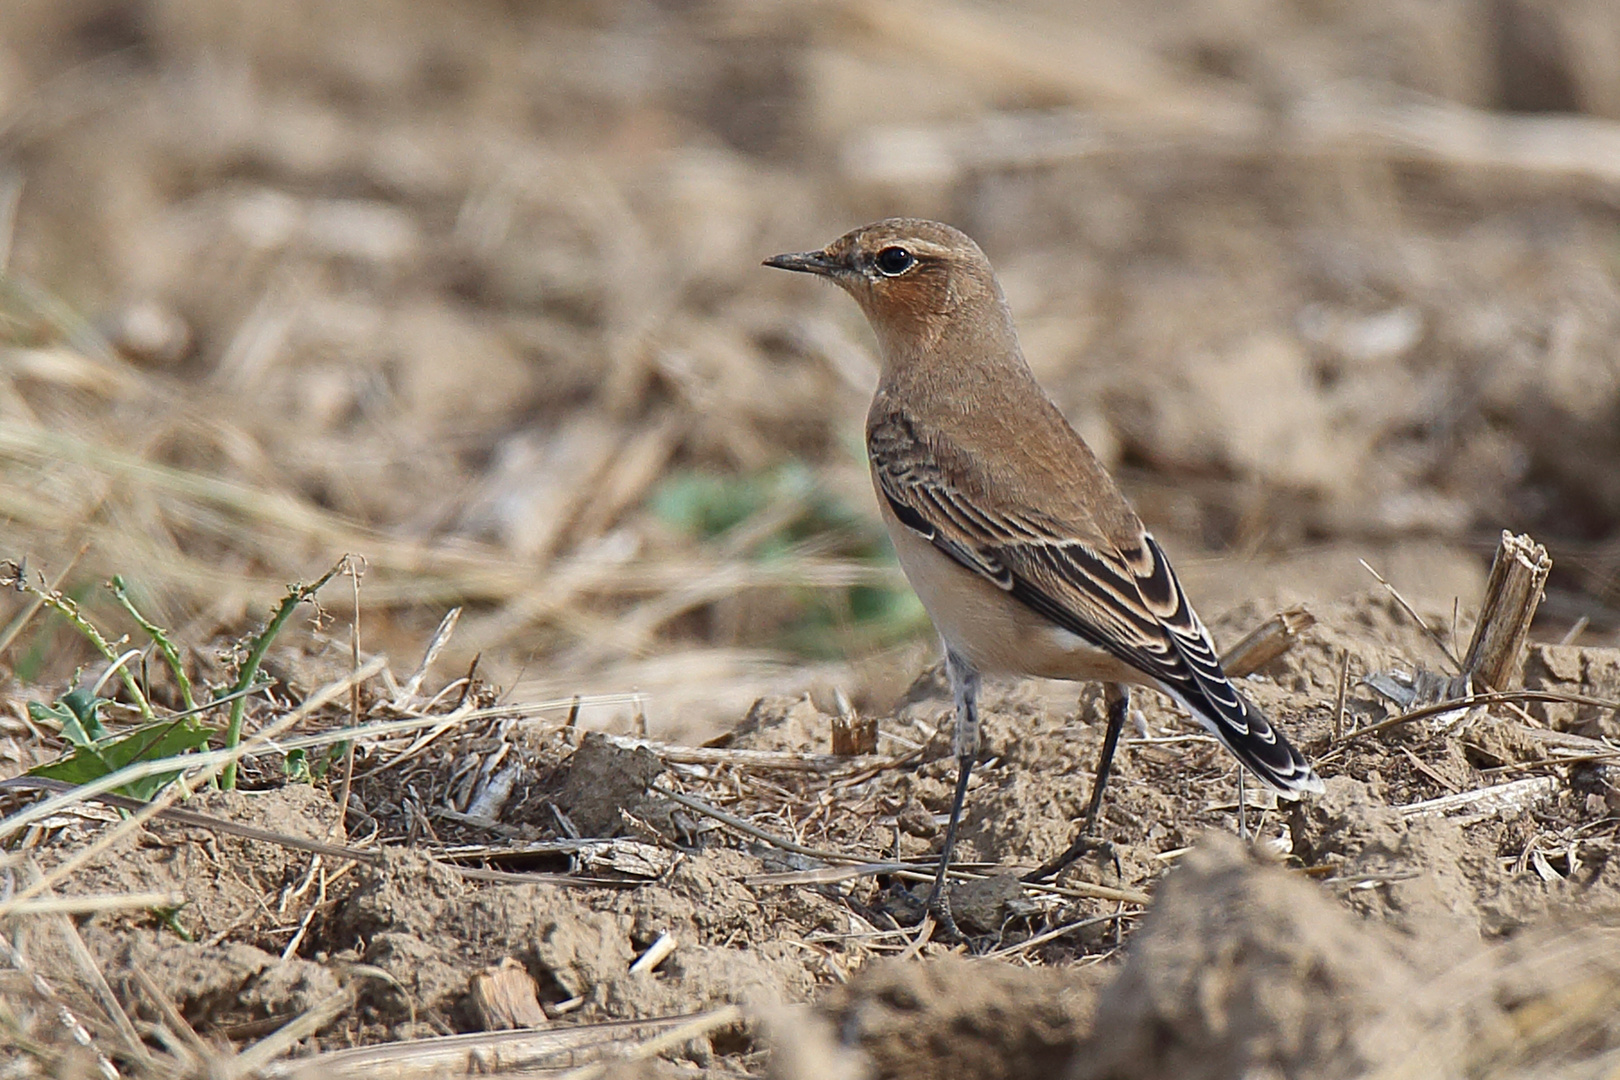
x=1023 y=550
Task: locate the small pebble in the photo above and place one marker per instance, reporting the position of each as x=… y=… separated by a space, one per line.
x=150 y=333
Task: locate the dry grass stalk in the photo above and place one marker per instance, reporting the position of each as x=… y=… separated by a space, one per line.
x=267 y=523
x=1510 y=798
x=193 y=818
x=1411 y=613
x=829 y=875
x=1340 y=695
x=832 y=875
x=1495 y=657
x=1494 y=698
x=441 y=638
x=1007 y=55
x=786 y=761
x=567 y=881
x=90 y=905
x=865 y=864
x=1055 y=933
x=43 y=989
x=253 y=1059
x=492 y=1052
x=1456 y=137
x=189 y=1042
x=91 y=973
x=1376 y=122
x=745 y=826
x=695 y=1028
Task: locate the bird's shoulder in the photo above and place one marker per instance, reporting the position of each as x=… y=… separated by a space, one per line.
x=1030 y=469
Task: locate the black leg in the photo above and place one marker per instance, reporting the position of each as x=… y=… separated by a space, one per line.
x=1118 y=696
x=1243 y=809
x=965 y=741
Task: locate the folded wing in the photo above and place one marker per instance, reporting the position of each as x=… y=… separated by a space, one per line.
x=1116 y=593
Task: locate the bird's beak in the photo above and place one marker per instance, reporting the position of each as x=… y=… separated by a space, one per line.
x=807 y=262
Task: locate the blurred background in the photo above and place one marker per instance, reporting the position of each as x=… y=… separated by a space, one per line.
x=472 y=289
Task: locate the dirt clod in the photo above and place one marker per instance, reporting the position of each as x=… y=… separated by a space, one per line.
x=984 y=906
x=503 y=997
x=969 y=1019
x=1241 y=967
x=214 y=984
x=223 y=878
x=605 y=782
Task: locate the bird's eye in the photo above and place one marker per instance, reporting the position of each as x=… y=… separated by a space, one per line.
x=894 y=261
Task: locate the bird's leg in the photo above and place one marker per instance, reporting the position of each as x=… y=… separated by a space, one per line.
x=1118 y=698
x=965 y=741
x=1243 y=809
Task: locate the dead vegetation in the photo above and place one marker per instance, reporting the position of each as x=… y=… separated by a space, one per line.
x=470 y=292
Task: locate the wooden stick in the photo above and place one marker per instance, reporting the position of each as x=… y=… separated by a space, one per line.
x=1495 y=659
x=852 y=733
x=1339 y=698
x=1267 y=641
x=656 y=953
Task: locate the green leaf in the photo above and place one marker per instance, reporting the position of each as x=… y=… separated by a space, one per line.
x=334 y=754
x=41 y=713
x=75 y=713
x=296 y=767
x=85 y=706
x=150 y=742
x=707 y=504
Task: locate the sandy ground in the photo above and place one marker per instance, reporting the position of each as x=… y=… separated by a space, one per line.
x=1377 y=930
x=471 y=290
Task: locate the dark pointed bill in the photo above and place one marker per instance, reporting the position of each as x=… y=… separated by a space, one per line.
x=806 y=262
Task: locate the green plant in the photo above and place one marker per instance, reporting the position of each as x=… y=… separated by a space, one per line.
x=95 y=751
x=13 y=574
x=780 y=514
x=302 y=767
x=257 y=646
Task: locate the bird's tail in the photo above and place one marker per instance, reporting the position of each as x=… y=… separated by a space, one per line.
x=1244 y=730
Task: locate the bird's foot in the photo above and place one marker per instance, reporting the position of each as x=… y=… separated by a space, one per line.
x=1083 y=845
x=939 y=906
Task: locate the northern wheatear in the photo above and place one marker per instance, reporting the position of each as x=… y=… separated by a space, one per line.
x=1025 y=553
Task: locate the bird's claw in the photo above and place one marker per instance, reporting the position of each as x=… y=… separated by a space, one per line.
x=939 y=906
x=1083 y=845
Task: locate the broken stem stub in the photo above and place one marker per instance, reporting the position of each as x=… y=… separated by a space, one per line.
x=1268 y=641
x=1512 y=593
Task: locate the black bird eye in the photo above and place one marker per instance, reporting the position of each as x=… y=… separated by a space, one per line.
x=894 y=261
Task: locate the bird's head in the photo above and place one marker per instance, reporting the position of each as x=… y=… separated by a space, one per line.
x=912 y=278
